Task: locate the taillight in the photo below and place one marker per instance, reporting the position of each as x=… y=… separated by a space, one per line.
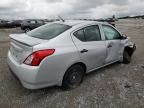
x=36 y=57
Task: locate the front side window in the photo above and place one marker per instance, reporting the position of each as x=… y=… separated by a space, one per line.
x=110 y=33
x=48 y=31
x=90 y=33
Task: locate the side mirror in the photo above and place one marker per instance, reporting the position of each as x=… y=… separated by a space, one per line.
x=123 y=37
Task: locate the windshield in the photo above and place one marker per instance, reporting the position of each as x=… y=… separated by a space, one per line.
x=48 y=31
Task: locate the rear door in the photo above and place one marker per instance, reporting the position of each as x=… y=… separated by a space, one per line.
x=90 y=45
x=113 y=43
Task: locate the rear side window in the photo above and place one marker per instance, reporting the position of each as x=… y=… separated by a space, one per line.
x=80 y=35
x=48 y=31
x=90 y=33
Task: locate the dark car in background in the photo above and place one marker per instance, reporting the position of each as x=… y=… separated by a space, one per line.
x=17 y=23
x=6 y=24
x=28 y=25
x=10 y=23
x=3 y=23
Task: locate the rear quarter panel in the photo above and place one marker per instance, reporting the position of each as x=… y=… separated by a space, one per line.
x=53 y=68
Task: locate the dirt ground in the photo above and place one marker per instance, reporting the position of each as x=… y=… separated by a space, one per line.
x=115 y=86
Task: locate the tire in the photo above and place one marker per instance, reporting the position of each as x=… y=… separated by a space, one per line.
x=73 y=77
x=27 y=30
x=126 y=57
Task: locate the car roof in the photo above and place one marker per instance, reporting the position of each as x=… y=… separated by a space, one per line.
x=77 y=22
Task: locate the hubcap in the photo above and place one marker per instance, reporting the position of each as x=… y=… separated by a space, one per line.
x=75 y=78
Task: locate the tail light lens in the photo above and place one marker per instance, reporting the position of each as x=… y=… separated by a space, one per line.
x=36 y=57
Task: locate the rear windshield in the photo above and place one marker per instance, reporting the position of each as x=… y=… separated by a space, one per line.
x=48 y=31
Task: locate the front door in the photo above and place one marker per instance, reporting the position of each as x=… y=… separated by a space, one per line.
x=113 y=43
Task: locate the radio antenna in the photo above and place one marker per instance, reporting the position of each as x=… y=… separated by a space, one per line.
x=61 y=19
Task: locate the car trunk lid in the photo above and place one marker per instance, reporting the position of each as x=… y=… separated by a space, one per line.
x=21 y=46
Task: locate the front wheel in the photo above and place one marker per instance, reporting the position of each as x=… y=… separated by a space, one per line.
x=126 y=57
x=73 y=77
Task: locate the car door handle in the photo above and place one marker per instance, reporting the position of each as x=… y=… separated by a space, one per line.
x=109 y=46
x=84 y=51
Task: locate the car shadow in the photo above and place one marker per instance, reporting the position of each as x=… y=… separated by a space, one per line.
x=102 y=70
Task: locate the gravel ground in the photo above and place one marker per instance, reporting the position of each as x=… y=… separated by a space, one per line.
x=115 y=86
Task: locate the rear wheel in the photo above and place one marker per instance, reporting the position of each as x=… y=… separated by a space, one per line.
x=73 y=77
x=126 y=57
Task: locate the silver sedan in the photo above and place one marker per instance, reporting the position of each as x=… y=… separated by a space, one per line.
x=61 y=53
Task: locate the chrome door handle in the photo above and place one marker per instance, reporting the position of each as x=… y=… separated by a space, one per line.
x=84 y=51
x=109 y=46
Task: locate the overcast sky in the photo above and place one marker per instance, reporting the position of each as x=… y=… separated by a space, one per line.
x=69 y=8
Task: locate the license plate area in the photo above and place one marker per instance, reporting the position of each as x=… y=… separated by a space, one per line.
x=15 y=53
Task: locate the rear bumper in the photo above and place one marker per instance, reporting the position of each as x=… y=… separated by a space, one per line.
x=27 y=75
